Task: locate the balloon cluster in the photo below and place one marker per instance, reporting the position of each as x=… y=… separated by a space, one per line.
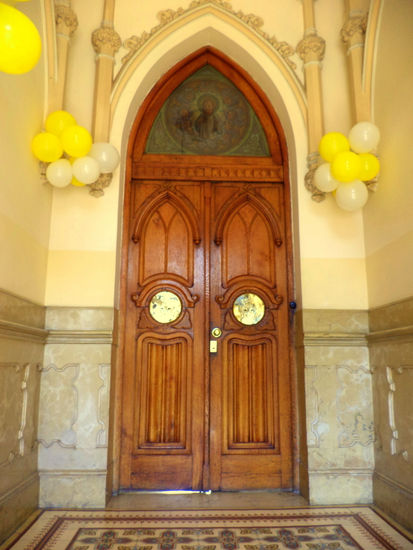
x=350 y=163
x=20 y=44
x=72 y=156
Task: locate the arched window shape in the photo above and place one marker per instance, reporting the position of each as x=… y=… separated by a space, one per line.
x=207 y=115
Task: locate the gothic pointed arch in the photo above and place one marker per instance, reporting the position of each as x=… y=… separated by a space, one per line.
x=241 y=123
x=156 y=201
x=262 y=207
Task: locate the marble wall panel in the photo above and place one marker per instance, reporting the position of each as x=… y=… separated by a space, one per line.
x=21 y=356
x=391 y=358
x=339 y=415
x=74 y=408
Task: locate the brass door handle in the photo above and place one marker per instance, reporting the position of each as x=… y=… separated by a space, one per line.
x=216 y=332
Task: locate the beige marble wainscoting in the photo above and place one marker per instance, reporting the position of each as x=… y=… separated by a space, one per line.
x=74 y=407
x=338 y=396
x=22 y=339
x=391 y=359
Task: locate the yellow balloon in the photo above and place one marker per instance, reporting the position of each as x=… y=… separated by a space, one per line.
x=346 y=166
x=76 y=141
x=47 y=147
x=77 y=183
x=370 y=166
x=20 y=44
x=331 y=144
x=58 y=121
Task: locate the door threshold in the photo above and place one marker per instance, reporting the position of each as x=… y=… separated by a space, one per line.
x=164 y=492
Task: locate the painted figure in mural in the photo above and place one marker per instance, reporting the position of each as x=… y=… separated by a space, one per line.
x=206 y=123
x=184 y=122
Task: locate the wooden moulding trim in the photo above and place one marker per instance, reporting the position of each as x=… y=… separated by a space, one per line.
x=207 y=169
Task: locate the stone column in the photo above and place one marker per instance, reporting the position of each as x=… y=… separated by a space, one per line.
x=106 y=42
x=311 y=50
x=353 y=34
x=66 y=24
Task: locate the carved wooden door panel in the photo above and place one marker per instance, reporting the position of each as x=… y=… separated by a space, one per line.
x=206 y=255
x=164 y=357
x=250 y=445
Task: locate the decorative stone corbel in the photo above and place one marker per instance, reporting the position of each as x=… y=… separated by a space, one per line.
x=313 y=161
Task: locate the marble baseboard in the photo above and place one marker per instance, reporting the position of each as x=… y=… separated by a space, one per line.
x=17 y=504
x=394 y=499
x=72 y=488
x=341 y=487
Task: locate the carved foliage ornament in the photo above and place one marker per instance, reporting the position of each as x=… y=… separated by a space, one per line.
x=312 y=47
x=167 y=16
x=316 y=194
x=354 y=26
x=106 y=38
x=96 y=188
x=66 y=20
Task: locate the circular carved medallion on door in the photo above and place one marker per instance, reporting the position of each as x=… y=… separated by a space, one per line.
x=165 y=307
x=248 y=309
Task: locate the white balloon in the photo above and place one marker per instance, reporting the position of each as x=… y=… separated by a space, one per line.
x=86 y=169
x=59 y=173
x=107 y=156
x=323 y=179
x=364 y=137
x=352 y=196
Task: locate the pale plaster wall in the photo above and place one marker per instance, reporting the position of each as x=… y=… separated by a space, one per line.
x=388 y=214
x=25 y=205
x=327 y=240
x=25 y=202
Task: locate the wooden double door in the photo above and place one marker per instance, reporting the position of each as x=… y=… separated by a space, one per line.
x=206 y=382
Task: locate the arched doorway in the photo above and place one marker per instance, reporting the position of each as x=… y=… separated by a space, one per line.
x=207 y=379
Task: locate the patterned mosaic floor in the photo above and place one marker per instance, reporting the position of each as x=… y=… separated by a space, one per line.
x=322 y=528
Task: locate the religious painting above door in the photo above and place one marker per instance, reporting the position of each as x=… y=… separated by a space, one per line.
x=207 y=115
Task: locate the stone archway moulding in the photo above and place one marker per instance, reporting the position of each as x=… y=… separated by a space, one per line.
x=139 y=115
x=219 y=13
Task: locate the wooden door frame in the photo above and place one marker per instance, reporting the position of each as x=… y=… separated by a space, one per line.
x=140 y=131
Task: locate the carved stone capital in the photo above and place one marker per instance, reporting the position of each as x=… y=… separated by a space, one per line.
x=106 y=40
x=354 y=27
x=311 y=48
x=66 y=20
x=96 y=188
